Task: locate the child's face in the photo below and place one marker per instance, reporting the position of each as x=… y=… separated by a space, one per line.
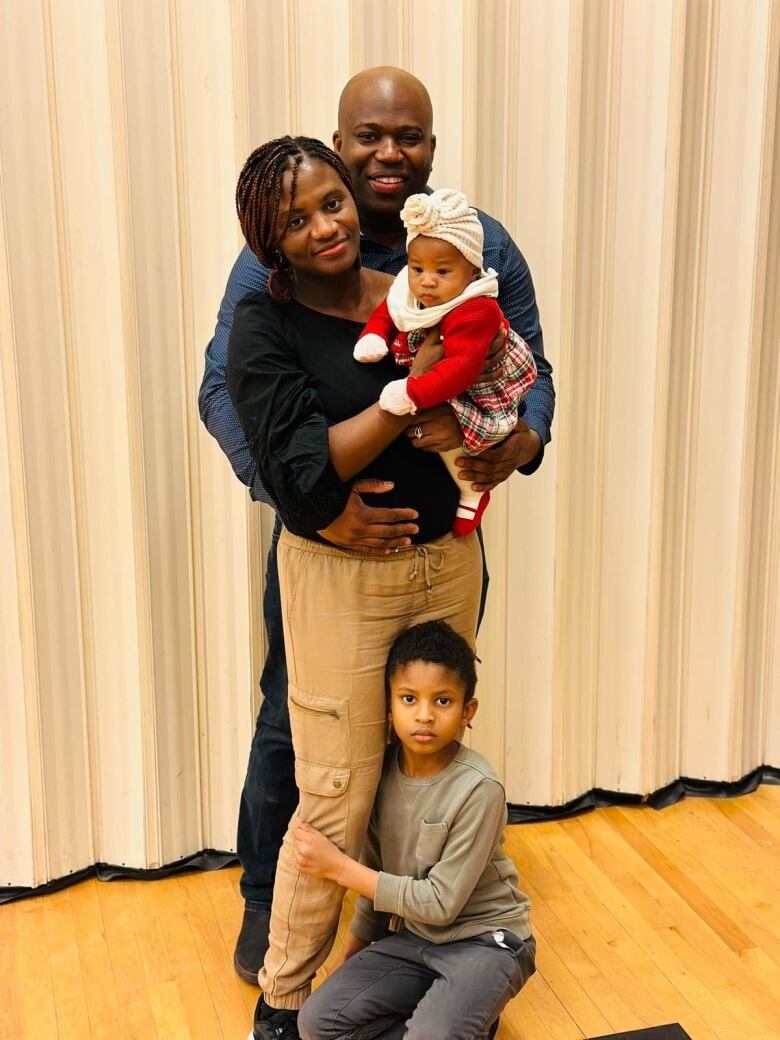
x=438 y=272
x=427 y=707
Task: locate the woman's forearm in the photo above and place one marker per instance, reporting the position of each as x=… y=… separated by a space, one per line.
x=356 y=442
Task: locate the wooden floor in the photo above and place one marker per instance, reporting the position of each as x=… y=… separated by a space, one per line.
x=641 y=918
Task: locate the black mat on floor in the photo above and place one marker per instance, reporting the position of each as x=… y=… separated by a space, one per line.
x=670 y=1032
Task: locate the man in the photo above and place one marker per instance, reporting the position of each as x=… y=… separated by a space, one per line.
x=385 y=137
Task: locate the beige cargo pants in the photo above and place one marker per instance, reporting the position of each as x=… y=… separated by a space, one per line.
x=341 y=611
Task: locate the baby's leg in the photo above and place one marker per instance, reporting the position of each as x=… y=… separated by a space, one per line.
x=472 y=504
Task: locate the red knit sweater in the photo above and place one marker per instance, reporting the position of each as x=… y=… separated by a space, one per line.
x=467 y=331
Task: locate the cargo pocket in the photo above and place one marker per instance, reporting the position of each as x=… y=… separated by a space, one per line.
x=327 y=781
x=320 y=729
x=430 y=844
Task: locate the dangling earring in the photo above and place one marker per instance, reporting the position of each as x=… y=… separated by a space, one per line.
x=280 y=280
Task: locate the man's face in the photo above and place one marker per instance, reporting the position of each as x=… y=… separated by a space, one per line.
x=387 y=145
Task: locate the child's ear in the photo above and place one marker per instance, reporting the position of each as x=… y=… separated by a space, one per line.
x=469 y=711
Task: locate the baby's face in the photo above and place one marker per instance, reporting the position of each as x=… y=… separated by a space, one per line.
x=438 y=272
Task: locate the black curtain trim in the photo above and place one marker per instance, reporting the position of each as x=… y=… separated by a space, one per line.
x=213 y=859
x=208 y=859
x=660 y=799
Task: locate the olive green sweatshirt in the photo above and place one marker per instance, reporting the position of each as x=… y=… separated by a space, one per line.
x=437 y=843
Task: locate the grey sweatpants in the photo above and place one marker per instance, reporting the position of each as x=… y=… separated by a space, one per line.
x=407 y=987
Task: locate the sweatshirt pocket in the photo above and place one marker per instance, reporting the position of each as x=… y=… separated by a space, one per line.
x=430 y=844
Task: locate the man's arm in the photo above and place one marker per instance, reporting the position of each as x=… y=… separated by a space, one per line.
x=216 y=408
x=517 y=299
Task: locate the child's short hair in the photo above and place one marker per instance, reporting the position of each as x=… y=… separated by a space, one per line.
x=433 y=642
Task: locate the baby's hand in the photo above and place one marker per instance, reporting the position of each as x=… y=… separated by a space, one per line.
x=314 y=853
x=369 y=349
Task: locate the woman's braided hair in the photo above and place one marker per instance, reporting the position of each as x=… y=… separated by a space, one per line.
x=259 y=199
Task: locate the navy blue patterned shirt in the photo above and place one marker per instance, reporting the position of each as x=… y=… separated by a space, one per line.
x=516 y=298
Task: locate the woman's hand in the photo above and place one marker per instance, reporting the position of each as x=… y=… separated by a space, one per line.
x=314 y=853
x=371 y=527
x=439 y=429
x=429 y=353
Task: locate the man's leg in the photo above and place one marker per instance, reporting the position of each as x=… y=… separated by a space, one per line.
x=270 y=796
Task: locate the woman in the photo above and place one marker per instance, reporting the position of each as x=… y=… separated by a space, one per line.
x=310 y=416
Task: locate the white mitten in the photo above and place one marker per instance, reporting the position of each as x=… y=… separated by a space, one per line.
x=369 y=348
x=395 y=399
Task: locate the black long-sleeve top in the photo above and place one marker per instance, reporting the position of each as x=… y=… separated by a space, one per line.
x=290 y=374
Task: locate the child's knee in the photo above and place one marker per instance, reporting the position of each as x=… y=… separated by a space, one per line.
x=312 y=1018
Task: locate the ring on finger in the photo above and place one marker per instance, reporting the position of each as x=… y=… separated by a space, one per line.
x=418 y=432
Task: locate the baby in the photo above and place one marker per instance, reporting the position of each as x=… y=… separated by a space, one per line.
x=444 y=283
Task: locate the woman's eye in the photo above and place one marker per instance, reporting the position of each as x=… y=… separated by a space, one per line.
x=444 y=702
x=333 y=205
x=295 y=223
x=408 y=698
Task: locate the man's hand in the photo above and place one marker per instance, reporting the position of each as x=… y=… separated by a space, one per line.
x=314 y=853
x=493 y=466
x=496 y=347
x=371 y=527
x=428 y=354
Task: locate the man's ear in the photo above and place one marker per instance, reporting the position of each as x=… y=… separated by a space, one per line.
x=336 y=141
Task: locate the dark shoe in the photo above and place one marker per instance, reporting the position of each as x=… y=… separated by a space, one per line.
x=274 y=1025
x=252 y=944
x=493 y=1029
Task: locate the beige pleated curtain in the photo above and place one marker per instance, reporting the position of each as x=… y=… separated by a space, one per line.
x=633 y=625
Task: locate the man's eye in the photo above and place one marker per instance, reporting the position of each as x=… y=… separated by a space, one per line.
x=410 y=140
x=366 y=138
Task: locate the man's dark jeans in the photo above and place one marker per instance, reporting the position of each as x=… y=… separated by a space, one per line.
x=270 y=796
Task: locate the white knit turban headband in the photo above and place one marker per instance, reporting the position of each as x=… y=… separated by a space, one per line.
x=445 y=214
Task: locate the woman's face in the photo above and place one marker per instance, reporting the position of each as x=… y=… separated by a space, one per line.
x=320 y=233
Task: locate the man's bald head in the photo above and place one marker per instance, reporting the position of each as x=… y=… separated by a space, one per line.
x=387 y=84
x=385 y=138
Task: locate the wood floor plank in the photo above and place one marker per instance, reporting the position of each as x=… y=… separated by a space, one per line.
x=69 y=994
x=96 y=968
x=571 y=994
x=35 y=988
